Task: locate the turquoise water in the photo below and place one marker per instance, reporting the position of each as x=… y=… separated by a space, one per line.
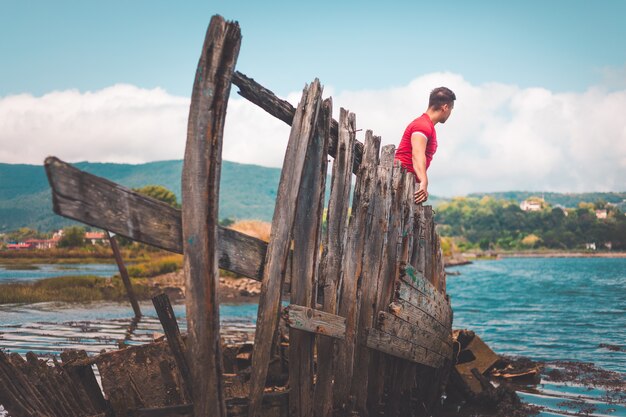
x=545 y=308
x=9 y=273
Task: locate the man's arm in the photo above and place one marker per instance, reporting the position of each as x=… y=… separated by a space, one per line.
x=418 y=155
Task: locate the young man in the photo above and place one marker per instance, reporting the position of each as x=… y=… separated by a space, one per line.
x=419 y=142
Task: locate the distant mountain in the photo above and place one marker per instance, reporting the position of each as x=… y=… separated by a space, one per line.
x=568 y=200
x=247 y=191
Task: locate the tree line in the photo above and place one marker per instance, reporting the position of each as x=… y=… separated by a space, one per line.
x=489 y=223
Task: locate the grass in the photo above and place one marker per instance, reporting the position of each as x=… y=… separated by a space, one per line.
x=72 y=289
x=157 y=266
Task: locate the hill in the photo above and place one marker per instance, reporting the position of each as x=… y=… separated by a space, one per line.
x=247 y=191
x=567 y=200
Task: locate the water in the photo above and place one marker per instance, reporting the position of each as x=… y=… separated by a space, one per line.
x=545 y=308
x=14 y=273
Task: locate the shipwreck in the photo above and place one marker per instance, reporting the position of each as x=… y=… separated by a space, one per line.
x=368 y=325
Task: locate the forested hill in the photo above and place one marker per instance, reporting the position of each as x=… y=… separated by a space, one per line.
x=247 y=191
x=568 y=200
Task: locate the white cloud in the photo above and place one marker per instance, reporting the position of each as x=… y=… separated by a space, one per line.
x=500 y=137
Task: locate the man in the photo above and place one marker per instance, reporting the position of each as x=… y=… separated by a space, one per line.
x=419 y=142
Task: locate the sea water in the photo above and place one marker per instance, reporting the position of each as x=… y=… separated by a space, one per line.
x=545 y=308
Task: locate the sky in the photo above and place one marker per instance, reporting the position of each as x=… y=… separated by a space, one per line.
x=540 y=85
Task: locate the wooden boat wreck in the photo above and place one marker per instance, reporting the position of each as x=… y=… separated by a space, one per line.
x=367 y=328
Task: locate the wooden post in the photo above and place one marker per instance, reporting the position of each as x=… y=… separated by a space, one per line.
x=302 y=131
x=306 y=234
x=375 y=231
x=352 y=269
x=336 y=221
x=200 y=195
x=124 y=274
x=167 y=318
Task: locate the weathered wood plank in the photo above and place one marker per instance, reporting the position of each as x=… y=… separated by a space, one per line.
x=302 y=131
x=437 y=310
x=397 y=327
x=378 y=200
x=124 y=274
x=428 y=244
x=417 y=317
x=200 y=195
x=352 y=269
x=403 y=349
x=283 y=110
x=165 y=312
x=330 y=274
x=416 y=280
x=101 y=203
x=316 y=321
x=306 y=236
x=388 y=274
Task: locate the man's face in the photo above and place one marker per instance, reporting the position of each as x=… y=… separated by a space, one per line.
x=446 y=111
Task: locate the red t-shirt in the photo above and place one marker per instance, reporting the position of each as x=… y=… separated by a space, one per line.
x=423 y=125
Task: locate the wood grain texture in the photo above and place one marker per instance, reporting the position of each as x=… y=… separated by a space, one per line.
x=352 y=269
x=315 y=321
x=302 y=131
x=200 y=196
x=101 y=203
x=395 y=326
x=166 y=315
x=403 y=349
x=306 y=236
x=378 y=203
x=330 y=268
x=417 y=317
x=124 y=275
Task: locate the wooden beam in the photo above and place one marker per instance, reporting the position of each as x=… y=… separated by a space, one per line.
x=403 y=349
x=330 y=275
x=283 y=110
x=352 y=269
x=302 y=131
x=395 y=326
x=101 y=203
x=316 y=321
x=165 y=312
x=438 y=310
x=306 y=235
x=124 y=274
x=377 y=203
x=418 y=317
x=200 y=195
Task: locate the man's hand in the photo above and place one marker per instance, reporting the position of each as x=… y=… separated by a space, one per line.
x=421 y=195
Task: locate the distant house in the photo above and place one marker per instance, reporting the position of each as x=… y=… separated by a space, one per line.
x=590 y=246
x=532 y=204
x=42 y=243
x=601 y=214
x=95 y=237
x=18 y=246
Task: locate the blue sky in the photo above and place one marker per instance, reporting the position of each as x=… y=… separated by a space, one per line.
x=541 y=85
x=88 y=45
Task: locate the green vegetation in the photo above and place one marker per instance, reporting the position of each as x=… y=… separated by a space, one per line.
x=157 y=266
x=160 y=193
x=72 y=289
x=489 y=223
x=73 y=237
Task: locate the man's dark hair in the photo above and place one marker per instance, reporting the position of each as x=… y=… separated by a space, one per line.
x=440 y=96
